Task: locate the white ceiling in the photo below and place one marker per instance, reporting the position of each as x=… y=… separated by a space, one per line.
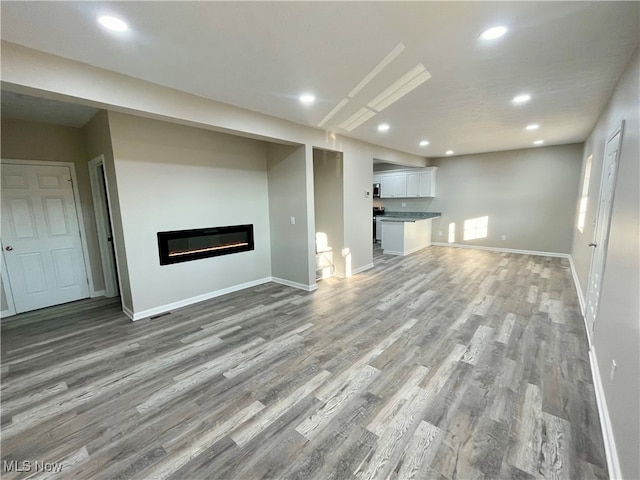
x=262 y=55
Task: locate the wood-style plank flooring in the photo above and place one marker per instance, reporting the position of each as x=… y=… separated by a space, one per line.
x=446 y=364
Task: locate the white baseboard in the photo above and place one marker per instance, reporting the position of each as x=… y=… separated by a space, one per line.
x=128 y=313
x=613 y=463
x=289 y=283
x=362 y=269
x=190 y=301
x=403 y=254
x=576 y=281
x=503 y=250
x=97 y=293
x=7 y=313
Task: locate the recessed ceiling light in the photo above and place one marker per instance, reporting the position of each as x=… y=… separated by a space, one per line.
x=521 y=99
x=493 y=33
x=538 y=142
x=307 y=98
x=533 y=126
x=449 y=152
x=113 y=23
x=424 y=143
x=383 y=127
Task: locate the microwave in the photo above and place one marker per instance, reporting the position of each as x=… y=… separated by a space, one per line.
x=376 y=190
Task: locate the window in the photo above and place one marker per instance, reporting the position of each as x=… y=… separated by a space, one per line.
x=452 y=232
x=582 y=208
x=476 y=228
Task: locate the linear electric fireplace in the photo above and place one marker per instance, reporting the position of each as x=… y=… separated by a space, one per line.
x=185 y=245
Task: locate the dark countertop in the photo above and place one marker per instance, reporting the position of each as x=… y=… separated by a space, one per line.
x=408 y=216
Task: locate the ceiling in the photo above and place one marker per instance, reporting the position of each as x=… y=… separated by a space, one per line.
x=37 y=109
x=262 y=55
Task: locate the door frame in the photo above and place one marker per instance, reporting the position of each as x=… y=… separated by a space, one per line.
x=100 y=204
x=618 y=130
x=78 y=204
x=8 y=293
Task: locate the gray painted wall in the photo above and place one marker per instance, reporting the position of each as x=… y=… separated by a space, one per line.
x=328 y=182
x=173 y=177
x=617 y=330
x=529 y=196
x=287 y=174
x=97 y=141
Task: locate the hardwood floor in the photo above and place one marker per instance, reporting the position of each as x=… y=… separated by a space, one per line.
x=446 y=364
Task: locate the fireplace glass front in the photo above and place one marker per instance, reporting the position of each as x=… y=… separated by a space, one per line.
x=185 y=245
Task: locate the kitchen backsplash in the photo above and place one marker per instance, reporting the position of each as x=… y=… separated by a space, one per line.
x=411 y=204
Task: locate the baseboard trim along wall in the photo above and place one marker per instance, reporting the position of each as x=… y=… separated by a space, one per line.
x=613 y=464
x=576 y=281
x=362 y=269
x=289 y=283
x=128 y=313
x=7 y=313
x=503 y=250
x=97 y=293
x=190 y=301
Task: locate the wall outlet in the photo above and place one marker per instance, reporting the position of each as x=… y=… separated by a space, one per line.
x=293 y=220
x=404 y=204
x=612 y=373
x=504 y=237
x=367 y=194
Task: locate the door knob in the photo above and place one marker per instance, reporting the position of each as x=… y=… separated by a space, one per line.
x=593 y=244
x=8 y=248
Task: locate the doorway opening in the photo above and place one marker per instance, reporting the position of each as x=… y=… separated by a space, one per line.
x=44 y=248
x=332 y=258
x=102 y=210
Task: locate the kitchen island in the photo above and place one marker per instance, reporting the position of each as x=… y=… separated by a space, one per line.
x=405 y=233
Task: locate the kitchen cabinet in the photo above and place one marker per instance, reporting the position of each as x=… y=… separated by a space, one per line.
x=402 y=237
x=376 y=179
x=413 y=184
x=427 y=184
x=408 y=183
x=386 y=186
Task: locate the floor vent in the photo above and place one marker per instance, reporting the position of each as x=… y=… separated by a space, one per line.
x=160 y=315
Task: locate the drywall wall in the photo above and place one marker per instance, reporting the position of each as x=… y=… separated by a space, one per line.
x=26 y=140
x=172 y=177
x=288 y=185
x=529 y=196
x=37 y=73
x=97 y=141
x=328 y=187
x=616 y=334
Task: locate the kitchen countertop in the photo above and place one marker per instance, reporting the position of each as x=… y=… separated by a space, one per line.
x=407 y=216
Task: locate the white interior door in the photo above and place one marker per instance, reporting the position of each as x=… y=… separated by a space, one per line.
x=603 y=222
x=40 y=236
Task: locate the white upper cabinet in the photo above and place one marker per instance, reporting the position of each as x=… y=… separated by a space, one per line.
x=386 y=186
x=376 y=179
x=408 y=183
x=399 y=185
x=427 y=183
